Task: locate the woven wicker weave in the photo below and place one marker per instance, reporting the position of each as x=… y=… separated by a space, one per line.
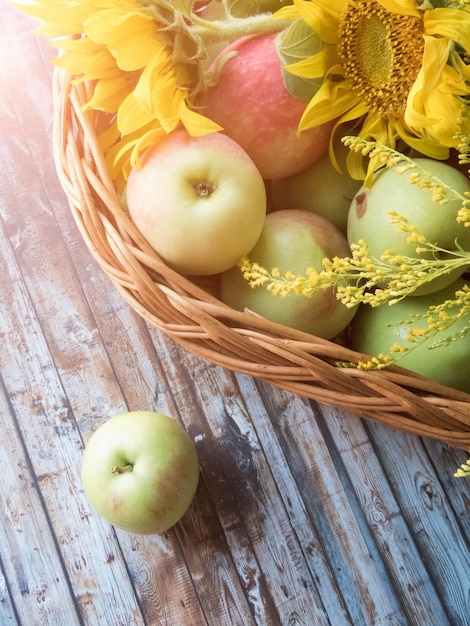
x=197 y=320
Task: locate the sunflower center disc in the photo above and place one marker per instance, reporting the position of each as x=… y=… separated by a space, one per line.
x=381 y=53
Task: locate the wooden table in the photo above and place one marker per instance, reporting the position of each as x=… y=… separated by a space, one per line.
x=304 y=514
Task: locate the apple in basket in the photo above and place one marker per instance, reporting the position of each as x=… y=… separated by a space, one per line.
x=292 y=240
x=140 y=471
x=251 y=103
x=369 y=215
x=199 y=201
x=319 y=188
x=374 y=330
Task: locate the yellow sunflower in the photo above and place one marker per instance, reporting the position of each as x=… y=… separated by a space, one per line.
x=398 y=67
x=116 y=45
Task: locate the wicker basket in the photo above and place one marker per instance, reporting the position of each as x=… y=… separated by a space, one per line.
x=196 y=319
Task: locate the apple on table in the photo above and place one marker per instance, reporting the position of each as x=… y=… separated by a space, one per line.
x=140 y=471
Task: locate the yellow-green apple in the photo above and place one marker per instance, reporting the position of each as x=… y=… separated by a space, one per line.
x=199 y=201
x=390 y=191
x=250 y=101
x=140 y=471
x=292 y=241
x=319 y=188
x=374 y=330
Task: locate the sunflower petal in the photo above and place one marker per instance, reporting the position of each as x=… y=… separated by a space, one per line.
x=434 y=58
x=108 y=95
x=90 y=60
x=195 y=123
x=433 y=107
x=316 y=65
x=454 y=24
x=429 y=148
x=329 y=103
x=60 y=18
x=129 y=36
x=131 y=115
x=323 y=16
x=401 y=7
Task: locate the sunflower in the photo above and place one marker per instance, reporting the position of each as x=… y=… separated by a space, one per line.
x=137 y=77
x=397 y=69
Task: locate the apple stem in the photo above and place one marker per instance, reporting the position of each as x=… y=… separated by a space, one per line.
x=116 y=469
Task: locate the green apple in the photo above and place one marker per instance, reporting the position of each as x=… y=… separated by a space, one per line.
x=199 y=201
x=320 y=188
x=140 y=471
x=375 y=330
x=369 y=217
x=292 y=241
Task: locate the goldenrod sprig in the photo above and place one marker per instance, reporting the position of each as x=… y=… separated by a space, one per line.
x=463 y=471
x=464 y=159
x=386 y=156
x=438 y=318
x=361 y=278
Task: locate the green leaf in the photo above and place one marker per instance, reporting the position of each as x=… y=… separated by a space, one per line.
x=297 y=43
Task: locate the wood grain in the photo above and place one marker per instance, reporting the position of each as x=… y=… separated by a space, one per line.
x=304 y=515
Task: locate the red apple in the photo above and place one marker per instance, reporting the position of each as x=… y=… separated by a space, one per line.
x=251 y=103
x=292 y=241
x=199 y=201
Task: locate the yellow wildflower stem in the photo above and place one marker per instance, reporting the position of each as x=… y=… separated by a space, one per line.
x=355 y=277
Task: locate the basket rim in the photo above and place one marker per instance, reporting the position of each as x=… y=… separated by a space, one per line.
x=196 y=319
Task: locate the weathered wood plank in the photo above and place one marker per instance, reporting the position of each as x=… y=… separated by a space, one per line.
x=30 y=561
x=445 y=461
x=265 y=402
x=366 y=593
x=425 y=506
x=138 y=371
x=8 y=615
x=79 y=354
x=243 y=487
x=54 y=445
x=392 y=541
